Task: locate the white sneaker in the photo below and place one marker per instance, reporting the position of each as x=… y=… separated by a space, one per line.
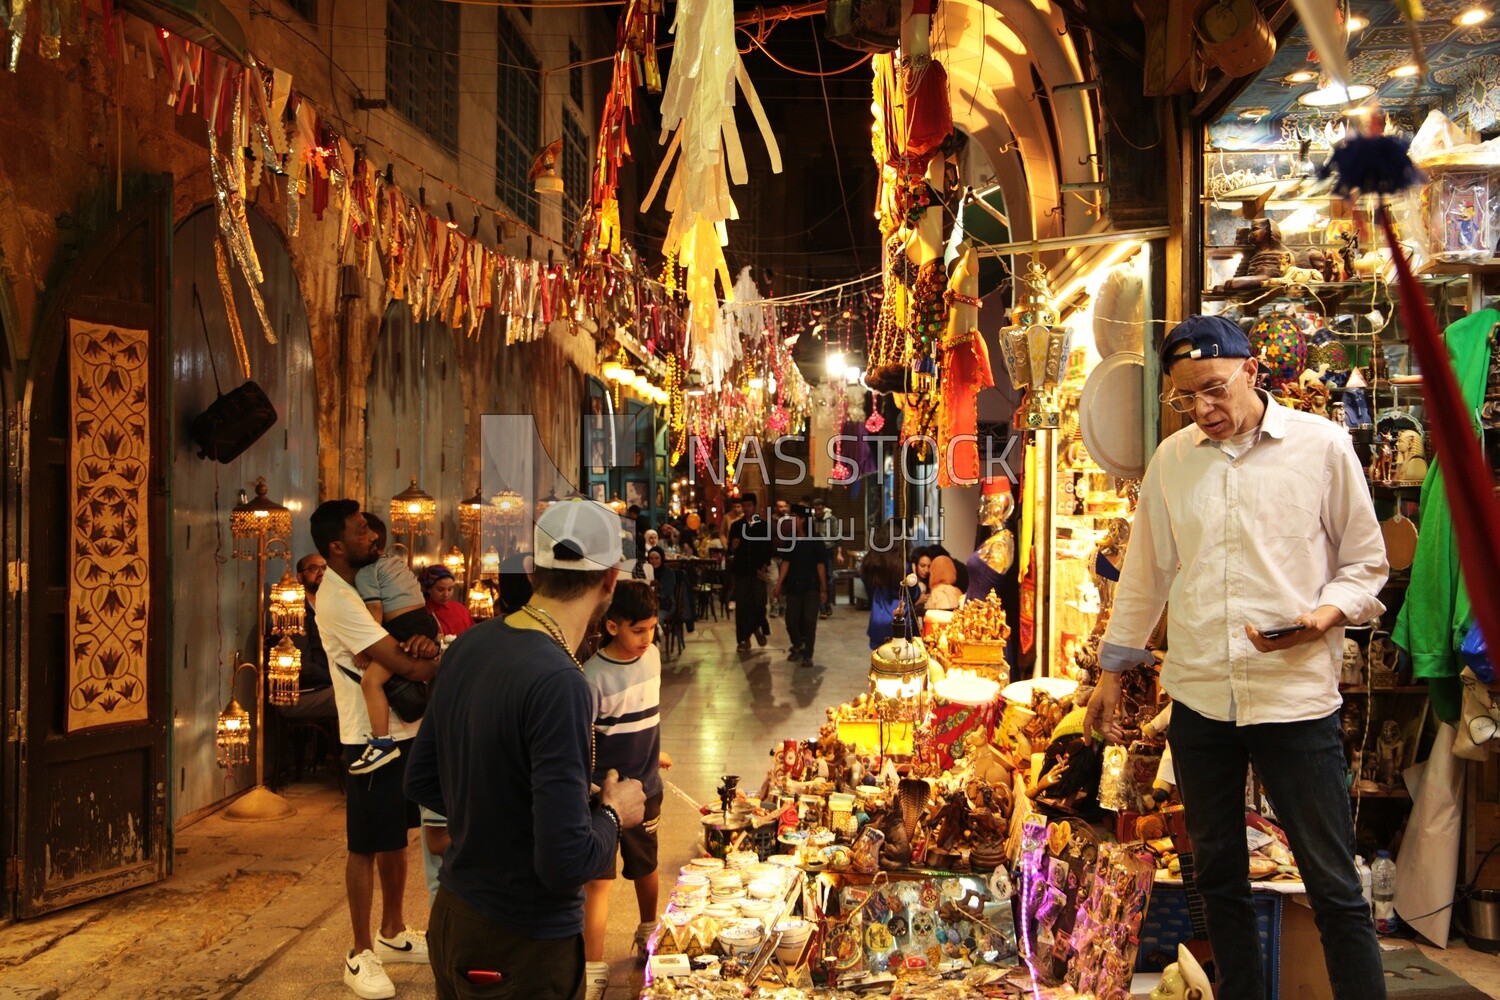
x=595 y=980
x=364 y=974
x=408 y=946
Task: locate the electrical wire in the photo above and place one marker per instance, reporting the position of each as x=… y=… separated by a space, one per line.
x=833 y=142
x=805 y=72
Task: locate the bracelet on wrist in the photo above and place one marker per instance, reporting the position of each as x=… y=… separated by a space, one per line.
x=614 y=817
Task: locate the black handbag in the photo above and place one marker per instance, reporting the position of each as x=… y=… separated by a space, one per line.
x=407 y=698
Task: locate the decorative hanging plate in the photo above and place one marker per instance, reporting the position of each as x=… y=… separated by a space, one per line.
x=1400 y=536
x=1111 y=413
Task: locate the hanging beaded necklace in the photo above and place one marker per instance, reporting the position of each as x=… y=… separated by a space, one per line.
x=549 y=625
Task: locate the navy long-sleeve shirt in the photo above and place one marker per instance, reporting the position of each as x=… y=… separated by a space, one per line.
x=503 y=752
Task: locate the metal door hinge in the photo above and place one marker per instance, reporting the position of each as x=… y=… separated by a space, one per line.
x=15 y=576
x=15 y=731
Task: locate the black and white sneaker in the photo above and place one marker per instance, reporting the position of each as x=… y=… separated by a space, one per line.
x=379 y=752
x=408 y=946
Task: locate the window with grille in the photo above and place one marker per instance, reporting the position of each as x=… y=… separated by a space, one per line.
x=421 y=66
x=517 y=121
x=305 y=9
x=575 y=173
x=575 y=75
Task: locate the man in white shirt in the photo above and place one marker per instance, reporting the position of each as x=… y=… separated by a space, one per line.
x=1254 y=519
x=377 y=812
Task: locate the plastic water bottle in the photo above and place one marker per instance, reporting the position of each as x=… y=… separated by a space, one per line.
x=1364 y=880
x=1383 y=891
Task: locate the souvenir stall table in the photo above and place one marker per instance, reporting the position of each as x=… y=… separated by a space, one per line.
x=900 y=852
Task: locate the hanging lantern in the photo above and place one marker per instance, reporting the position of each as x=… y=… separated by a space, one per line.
x=545 y=502
x=257 y=519
x=898 y=674
x=489 y=563
x=284 y=674
x=617 y=505
x=232 y=736
x=454 y=562
x=471 y=514
x=288 y=605
x=481 y=602
x=509 y=507
x=413 y=511
x=1036 y=353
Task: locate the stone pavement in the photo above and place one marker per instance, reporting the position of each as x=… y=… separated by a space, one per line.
x=256 y=910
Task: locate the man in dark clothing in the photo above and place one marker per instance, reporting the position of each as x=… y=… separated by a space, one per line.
x=505 y=752
x=749 y=555
x=802 y=583
x=314 y=682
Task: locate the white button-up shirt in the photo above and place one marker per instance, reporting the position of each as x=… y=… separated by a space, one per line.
x=1282 y=528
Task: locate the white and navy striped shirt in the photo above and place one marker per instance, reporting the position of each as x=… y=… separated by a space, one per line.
x=627 y=716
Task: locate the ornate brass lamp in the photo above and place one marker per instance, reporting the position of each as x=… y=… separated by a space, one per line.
x=413 y=513
x=283 y=673
x=1036 y=353
x=288 y=605
x=261 y=529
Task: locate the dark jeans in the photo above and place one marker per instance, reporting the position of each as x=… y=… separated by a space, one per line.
x=1301 y=765
x=749 y=607
x=802 y=620
x=460 y=939
x=828 y=575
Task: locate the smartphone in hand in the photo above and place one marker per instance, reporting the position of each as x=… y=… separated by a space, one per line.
x=1281 y=631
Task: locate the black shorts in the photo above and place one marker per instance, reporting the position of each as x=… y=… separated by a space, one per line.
x=638 y=844
x=377 y=812
x=417 y=621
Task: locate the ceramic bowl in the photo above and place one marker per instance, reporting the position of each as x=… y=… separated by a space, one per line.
x=756 y=908
x=765 y=888
x=784 y=860
x=742 y=937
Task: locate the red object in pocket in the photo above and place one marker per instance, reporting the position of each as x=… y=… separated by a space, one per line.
x=483 y=977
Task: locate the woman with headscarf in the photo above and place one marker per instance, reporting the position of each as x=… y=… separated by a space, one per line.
x=882 y=570
x=452 y=615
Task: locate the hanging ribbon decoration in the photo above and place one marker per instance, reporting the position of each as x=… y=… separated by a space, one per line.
x=1379 y=165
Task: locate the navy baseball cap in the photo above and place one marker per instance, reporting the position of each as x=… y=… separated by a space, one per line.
x=1204 y=337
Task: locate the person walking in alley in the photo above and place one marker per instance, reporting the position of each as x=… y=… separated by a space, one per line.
x=749 y=555
x=505 y=752
x=378 y=815
x=802 y=582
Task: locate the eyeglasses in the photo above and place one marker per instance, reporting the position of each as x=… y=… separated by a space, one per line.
x=1186 y=402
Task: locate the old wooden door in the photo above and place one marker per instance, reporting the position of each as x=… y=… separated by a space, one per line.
x=94 y=698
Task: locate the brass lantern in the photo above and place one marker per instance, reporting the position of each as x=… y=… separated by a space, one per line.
x=898 y=676
x=288 y=605
x=284 y=673
x=471 y=515
x=232 y=736
x=413 y=511
x=254 y=521
x=489 y=563
x=509 y=507
x=1036 y=353
x=454 y=563
x=481 y=602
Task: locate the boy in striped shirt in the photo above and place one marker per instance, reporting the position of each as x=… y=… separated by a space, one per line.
x=625 y=675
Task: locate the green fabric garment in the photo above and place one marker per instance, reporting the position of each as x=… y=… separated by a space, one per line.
x=1436 y=614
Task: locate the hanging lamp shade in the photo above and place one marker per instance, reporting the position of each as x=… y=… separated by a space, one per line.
x=250 y=521
x=898 y=670
x=481 y=602
x=288 y=605
x=471 y=513
x=509 y=507
x=413 y=511
x=284 y=673
x=232 y=736
x=489 y=563
x=545 y=502
x=454 y=563
x=617 y=505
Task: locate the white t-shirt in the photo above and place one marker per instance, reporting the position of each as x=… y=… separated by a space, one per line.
x=347 y=629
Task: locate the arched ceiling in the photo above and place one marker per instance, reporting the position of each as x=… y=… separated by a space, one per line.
x=1036 y=142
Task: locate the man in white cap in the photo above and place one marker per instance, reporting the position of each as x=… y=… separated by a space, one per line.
x=505 y=752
